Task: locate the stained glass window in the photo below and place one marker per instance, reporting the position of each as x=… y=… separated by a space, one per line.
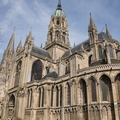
x=57 y=96
x=39 y=100
x=68 y=95
x=42 y=97
x=36 y=70
x=106 y=88
x=52 y=96
x=93 y=89
x=60 y=95
x=17 y=76
x=83 y=91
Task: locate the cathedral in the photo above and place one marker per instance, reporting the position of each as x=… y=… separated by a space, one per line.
x=58 y=82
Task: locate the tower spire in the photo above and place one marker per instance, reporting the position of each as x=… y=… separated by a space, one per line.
x=10 y=46
x=19 y=45
x=59 y=7
x=30 y=33
x=91 y=20
x=107 y=32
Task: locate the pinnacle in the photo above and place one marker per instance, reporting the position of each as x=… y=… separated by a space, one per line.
x=59 y=5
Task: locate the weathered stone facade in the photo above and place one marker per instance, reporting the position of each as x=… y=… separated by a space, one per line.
x=58 y=82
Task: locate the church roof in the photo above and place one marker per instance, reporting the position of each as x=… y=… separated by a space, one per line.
x=102 y=35
x=52 y=74
x=40 y=51
x=77 y=48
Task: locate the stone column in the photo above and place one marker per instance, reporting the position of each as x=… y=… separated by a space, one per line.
x=99 y=98
x=115 y=101
x=88 y=100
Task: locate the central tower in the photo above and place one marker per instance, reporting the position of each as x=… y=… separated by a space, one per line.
x=57 y=38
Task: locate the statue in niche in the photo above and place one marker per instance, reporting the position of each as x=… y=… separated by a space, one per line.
x=57 y=35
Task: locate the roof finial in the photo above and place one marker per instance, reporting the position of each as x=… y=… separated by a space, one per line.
x=91 y=20
x=59 y=5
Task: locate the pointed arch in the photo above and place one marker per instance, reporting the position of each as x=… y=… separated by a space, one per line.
x=68 y=94
x=52 y=91
x=43 y=97
x=39 y=99
x=57 y=96
x=37 y=68
x=106 y=88
x=83 y=91
x=93 y=89
x=11 y=106
x=117 y=79
x=61 y=97
x=17 y=76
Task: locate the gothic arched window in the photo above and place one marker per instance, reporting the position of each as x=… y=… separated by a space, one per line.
x=42 y=97
x=39 y=99
x=68 y=94
x=111 y=51
x=11 y=106
x=12 y=101
x=106 y=88
x=29 y=102
x=93 y=90
x=57 y=35
x=100 y=52
x=60 y=95
x=57 y=96
x=63 y=36
x=117 y=79
x=17 y=76
x=52 y=90
x=36 y=70
x=90 y=60
x=83 y=89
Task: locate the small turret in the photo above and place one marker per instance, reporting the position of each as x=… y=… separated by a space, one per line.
x=19 y=48
x=107 y=32
x=92 y=30
x=29 y=42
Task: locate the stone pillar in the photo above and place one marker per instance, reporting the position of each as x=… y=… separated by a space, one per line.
x=99 y=99
x=115 y=101
x=88 y=100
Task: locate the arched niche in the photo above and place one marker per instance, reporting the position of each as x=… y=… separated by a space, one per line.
x=37 y=69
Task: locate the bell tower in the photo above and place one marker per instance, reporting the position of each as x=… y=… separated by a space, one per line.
x=57 y=38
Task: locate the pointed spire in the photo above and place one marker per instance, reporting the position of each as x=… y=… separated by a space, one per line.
x=41 y=46
x=107 y=32
x=59 y=7
x=19 y=45
x=10 y=46
x=30 y=33
x=91 y=20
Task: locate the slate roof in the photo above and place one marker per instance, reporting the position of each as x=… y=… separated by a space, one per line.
x=40 y=51
x=52 y=74
x=102 y=35
x=76 y=48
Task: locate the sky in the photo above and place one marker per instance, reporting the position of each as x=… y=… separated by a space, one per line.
x=22 y=15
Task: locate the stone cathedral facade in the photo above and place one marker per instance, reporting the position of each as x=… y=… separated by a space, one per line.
x=58 y=82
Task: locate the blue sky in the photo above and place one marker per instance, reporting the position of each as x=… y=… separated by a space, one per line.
x=26 y=14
